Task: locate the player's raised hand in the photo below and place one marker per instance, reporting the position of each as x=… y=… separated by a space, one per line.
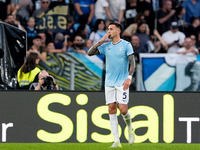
x=105 y=37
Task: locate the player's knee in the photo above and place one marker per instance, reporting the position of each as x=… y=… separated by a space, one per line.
x=123 y=111
x=112 y=111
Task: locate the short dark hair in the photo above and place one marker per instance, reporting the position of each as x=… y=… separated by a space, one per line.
x=117 y=25
x=192 y=19
x=37 y=37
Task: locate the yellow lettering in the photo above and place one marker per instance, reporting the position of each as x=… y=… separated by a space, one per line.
x=62 y=21
x=54 y=117
x=102 y=123
x=82 y=119
x=151 y=123
x=81 y=122
x=50 y=22
x=44 y=24
x=168 y=118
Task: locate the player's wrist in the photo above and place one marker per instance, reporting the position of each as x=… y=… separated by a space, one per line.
x=130 y=77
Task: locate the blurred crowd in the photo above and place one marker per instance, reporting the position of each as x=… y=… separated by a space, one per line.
x=152 y=26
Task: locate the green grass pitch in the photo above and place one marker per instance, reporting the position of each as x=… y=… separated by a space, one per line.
x=96 y=146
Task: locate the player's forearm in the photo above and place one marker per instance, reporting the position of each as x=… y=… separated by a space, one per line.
x=132 y=64
x=93 y=50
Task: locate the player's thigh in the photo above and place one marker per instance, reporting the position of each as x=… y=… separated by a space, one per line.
x=110 y=95
x=122 y=96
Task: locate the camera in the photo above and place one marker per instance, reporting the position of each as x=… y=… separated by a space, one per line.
x=48 y=81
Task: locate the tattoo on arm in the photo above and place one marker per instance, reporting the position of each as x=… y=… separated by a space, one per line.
x=93 y=50
x=131 y=59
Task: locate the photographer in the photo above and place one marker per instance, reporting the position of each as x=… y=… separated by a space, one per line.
x=46 y=82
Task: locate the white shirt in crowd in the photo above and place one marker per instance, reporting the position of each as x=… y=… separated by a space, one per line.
x=115 y=6
x=169 y=37
x=99 y=11
x=189 y=53
x=94 y=37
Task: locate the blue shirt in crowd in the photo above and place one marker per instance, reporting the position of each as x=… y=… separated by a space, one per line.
x=191 y=10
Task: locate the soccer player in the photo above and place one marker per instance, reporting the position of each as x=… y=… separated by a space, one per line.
x=119 y=54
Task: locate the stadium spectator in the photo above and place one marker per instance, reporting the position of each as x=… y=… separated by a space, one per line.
x=70 y=31
x=174 y=38
x=84 y=7
x=135 y=41
x=194 y=40
x=188 y=48
x=46 y=82
x=98 y=32
x=28 y=72
x=102 y=10
x=82 y=31
x=117 y=8
x=23 y=8
x=156 y=4
x=141 y=33
x=144 y=6
x=159 y=43
x=51 y=48
x=192 y=8
x=149 y=15
x=165 y=16
x=38 y=13
x=37 y=48
x=58 y=41
x=78 y=46
x=59 y=45
x=193 y=28
x=180 y=12
x=82 y=20
x=131 y=29
x=130 y=12
x=88 y=44
x=11 y=19
x=43 y=39
x=31 y=31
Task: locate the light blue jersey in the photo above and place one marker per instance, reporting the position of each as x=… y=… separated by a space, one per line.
x=117 y=62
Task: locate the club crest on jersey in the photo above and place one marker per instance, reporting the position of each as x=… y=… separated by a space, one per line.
x=120 y=48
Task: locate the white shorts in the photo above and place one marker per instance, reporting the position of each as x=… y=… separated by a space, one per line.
x=116 y=94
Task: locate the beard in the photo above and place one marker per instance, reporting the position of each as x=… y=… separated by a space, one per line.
x=79 y=45
x=11 y=22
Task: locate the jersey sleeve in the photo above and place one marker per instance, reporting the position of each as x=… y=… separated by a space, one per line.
x=102 y=49
x=129 y=49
